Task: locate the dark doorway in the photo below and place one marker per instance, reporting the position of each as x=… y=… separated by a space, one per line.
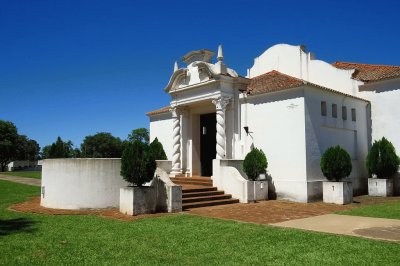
x=208 y=149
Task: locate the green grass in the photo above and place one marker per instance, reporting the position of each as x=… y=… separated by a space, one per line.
x=176 y=239
x=390 y=210
x=31 y=174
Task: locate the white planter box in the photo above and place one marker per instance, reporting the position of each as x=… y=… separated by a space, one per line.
x=257 y=188
x=338 y=192
x=137 y=200
x=380 y=187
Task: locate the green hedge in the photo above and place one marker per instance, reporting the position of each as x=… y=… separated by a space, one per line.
x=336 y=163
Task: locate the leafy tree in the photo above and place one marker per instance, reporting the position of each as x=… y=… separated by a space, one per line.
x=137 y=163
x=27 y=149
x=102 y=145
x=157 y=150
x=8 y=143
x=336 y=163
x=382 y=159
x=255 y=163
x=141 y=134
x=58 y=149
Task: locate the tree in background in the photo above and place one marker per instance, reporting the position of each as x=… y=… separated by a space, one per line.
x=140 y=134
x=8 y=143
x=14 y=146
x=27 y=149
x=102 y=145
x=59 y=149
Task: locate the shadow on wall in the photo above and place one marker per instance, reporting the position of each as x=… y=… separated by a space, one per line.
x=18 y=225
x=271 y=188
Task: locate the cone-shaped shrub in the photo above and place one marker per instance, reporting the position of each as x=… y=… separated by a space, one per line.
x=382 y=159
x=336 y=163
x=157 y=150
x=255 y=163
x=137 y=163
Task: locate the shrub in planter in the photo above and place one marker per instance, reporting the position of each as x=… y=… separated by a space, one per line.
x=157 y=150
x=255 y=163
x=336 y=163
x=382 y=159
x=137 y=163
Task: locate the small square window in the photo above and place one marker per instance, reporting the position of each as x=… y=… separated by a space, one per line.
x=344 y=112
x=353 y=114
x=334 y=110
x=323 y=108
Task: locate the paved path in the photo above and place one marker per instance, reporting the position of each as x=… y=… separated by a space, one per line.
x=376 y=228
x=22 y=180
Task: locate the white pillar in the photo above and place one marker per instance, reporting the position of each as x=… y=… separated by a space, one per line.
x=220 y=104
x=176 y=136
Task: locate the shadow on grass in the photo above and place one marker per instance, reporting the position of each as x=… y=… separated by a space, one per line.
x=18 y=225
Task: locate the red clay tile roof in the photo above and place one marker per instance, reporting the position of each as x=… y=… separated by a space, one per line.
x=159 y=111
x=276 y=81
x=272 y=81
x=368 y=72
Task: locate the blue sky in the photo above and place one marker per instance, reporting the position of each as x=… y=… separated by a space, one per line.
x=75 y=68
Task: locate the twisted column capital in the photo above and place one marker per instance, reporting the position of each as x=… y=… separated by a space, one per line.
x=221 y=102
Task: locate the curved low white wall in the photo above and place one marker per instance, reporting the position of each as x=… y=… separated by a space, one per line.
x=81 y=183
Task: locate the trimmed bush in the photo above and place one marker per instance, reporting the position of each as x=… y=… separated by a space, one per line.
x=157 y=150
x=255 y=163
x=382 y=159
x=336 y=163
x=137 y=163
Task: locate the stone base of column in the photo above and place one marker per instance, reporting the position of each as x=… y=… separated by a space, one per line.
x=176 y=173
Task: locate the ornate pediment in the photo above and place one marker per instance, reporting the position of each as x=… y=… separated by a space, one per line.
x=199 y=55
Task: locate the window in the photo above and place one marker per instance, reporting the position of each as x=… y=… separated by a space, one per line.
x=323 y=108
x=353 y=114
x=344 y=112
x=334 y=110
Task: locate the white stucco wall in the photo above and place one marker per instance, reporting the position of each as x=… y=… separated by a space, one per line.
x=276 y=121
x=81 y=183
x=161 y=127
x=323 y=132
x=295 y=61
x=385 y=109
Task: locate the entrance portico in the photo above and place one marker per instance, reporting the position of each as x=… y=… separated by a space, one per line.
x=200 y=91
x=199 y=136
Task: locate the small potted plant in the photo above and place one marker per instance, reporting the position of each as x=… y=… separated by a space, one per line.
x=137 y=168
x=336 y=165
x=382 y=164
x=255 y=165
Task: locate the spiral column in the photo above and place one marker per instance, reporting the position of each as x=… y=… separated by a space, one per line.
x=176 y=136
x=220 y=104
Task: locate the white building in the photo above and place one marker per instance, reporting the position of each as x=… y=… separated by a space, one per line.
x=290 y=105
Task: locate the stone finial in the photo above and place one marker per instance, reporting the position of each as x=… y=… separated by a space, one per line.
x=220 y=56
x=176 y=66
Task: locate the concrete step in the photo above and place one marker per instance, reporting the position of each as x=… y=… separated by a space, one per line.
x=189 y=182
x=202 y=194
x=198 y=189
x=194 y=178
x=192 y=205
x=206 y=198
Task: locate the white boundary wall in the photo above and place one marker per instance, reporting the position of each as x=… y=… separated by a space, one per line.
x=81 y=183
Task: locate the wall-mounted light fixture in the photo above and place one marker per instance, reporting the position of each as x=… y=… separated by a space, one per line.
x=246 y=128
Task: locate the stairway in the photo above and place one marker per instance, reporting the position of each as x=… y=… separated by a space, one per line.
x=199 y=192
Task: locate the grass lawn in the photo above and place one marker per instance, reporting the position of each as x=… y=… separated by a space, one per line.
x=32 y=174
x=390 y=210
x=174 y=239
